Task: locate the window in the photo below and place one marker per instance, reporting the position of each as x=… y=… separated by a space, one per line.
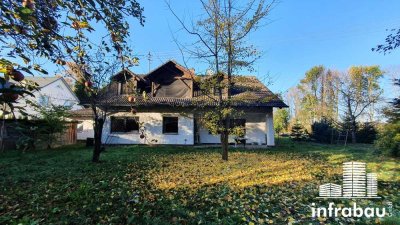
x=124 y=124
x=132 y=124
x=170 y=125
x=44 y=100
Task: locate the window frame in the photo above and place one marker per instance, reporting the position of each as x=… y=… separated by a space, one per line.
x=125 y=121
x=164 y=125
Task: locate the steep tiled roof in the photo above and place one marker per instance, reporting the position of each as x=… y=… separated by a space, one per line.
x=246 y=91
x=245 y=99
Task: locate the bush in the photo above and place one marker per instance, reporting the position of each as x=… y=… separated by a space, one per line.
x=389 y=139
x=322 y=131
x=390 y=221
x=366 y=133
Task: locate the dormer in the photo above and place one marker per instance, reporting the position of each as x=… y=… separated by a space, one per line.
x=171 y=80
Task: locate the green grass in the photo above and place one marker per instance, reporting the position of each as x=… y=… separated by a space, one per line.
x=181 y=185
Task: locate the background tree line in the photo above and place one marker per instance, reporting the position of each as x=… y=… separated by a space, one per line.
x=327 y=103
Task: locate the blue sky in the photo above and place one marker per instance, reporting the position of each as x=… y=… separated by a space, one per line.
x=300 y=34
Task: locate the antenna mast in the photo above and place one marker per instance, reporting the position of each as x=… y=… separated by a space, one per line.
x=149 y=58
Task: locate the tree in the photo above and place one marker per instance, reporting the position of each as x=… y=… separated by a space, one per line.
x=389 y=138
x=92 y=79
x=318 y=96
x=310 y=87
x=323 y=131
x=281 y=120
x=35 y=32
x=297 y=132
x=60 y=31
x=52 y=122
x=222 y=36
x=42 y=128
x=389 y=134
x=392 y=42
x=359 y=89
x=315 y=98
x=392 y=111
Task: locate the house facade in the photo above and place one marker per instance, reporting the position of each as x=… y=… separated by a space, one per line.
x=163 y=107
x=50 y=91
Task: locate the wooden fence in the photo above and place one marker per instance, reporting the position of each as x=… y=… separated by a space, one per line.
x=12 y=134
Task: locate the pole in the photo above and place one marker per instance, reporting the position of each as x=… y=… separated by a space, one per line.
x=149 y=56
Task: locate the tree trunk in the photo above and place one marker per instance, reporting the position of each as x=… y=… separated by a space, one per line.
x=2 y=132
x=225 y=139
x=353 y=131
x=224 y=142
x=98 y=130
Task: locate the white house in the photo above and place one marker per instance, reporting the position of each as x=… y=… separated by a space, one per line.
x=51 y=91
x=162 y=107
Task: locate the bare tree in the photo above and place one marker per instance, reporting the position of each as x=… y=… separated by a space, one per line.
x=221 y=39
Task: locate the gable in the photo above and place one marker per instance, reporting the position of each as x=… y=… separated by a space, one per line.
x=59 y=90
x=171 y=80
x=168 y=72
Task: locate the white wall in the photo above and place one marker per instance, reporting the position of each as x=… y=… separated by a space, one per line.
x=58 y=94
x=256 y=130
x=153 y=124
x=87 y=129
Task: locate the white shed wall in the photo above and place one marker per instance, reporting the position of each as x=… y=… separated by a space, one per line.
x=87 y=130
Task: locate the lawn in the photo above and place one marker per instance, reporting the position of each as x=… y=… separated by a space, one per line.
x=182 y=185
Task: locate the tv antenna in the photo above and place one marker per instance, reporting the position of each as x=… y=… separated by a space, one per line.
x=149 y=58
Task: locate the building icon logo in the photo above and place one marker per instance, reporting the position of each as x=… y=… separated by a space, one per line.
x=356 y=183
